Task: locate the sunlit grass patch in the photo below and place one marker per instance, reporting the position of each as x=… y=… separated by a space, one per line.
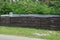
x=31 y=32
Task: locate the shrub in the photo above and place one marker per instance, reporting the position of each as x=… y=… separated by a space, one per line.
x=55 y=8
x=30 y=7
x=55 y=11
x=5 y=8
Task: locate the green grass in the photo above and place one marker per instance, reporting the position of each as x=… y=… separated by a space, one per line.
x=30 y=32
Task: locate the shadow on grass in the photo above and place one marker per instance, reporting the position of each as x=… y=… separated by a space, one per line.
x=52 y=29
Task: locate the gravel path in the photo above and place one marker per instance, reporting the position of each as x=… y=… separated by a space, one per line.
x=8 y=37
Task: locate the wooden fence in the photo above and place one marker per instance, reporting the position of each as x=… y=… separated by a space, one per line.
x=32 y=22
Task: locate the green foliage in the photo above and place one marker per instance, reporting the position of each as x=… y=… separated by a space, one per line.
x=25 y=7
x=55 y=8
x=30 y=7
x=55 y=11
x=5 y=8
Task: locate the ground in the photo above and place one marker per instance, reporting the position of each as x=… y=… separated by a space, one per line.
x=30 y=32
x=9 y=37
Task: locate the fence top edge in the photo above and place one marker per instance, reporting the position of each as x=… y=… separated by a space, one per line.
x=28 y=15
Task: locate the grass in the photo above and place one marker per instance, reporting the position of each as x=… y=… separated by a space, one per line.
x=30 y=32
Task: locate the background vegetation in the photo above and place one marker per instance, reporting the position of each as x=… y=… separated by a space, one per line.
x=30 y=7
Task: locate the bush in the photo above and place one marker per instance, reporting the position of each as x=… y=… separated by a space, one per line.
x=5 y=8
x=55 y=8
x=55 y=11
x=30 y=7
